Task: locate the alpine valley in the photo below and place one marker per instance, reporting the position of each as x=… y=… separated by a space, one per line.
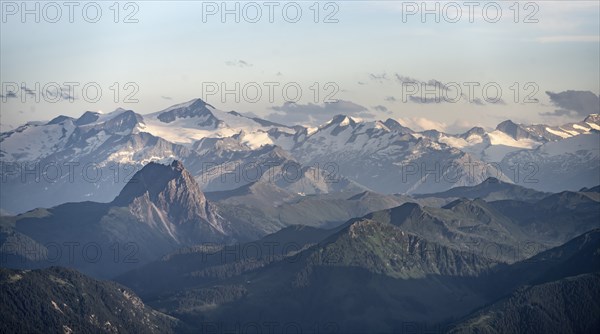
x=198 y=220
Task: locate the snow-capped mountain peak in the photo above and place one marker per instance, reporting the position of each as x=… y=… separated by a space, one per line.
x=593 y=120
x=341 y=121
x=194 y=120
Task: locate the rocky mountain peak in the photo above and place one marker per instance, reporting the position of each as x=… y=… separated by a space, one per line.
x=87 y=118
x=593 y=118
x=196 y=108
x=474 y=131
x=177 y=165
x=516 y=131
x=59 y=119
x=394 y=125
x=170 y=188
x=491 y=180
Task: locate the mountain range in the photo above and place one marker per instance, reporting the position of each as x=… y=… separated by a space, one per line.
x=366 y=262
x=192 y=219
x=93 y=156
x=373 y=276
x=162 y=209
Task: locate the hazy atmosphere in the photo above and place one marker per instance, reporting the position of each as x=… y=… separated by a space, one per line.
x=300 y=167
x=363 y=49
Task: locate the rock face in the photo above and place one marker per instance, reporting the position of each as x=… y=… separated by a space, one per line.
x=171 y=189
x=168 y=198
x=516 y=131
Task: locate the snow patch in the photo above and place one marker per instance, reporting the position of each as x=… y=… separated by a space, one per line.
x=558 y=133
x=577 y=126
x=256 y=139
x=500 y=138
x=594 y=126
x=588 y=142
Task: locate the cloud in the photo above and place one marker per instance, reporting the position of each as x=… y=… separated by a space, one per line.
x=9 y=95
x=502 y=102
x=28 y=91
x=574 y=103
x=362 y=83
x=431 y=85
x=167 y=98
x=422 y=123
x=477 y=101
x=431 y=82
x=315 y=114
x=238 y=63
x=402 y=78
x=379 y=77
x=52 y=93
x=426 y=100
x=381 y=108
x=440 y=99
x=432 y=91
x=461 y=126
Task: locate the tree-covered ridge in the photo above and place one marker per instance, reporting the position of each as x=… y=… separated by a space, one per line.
x=59 y=300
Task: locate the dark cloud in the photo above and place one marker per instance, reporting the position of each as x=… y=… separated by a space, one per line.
x=429 y=83
x=28 y=91
x=428 y=100
x=574 y=103
x=50 y=92
x=425 y=100
x=379 y=77
x=381 y=108
x=66 y=96
x=402 y=78
x=167 y=98
x=9 y=95
x=478 y=101
x=238 y=63
x=534 y=100
x=292 y=113
x=429 y=87
x=63 y=93
x=501 y=102
x=362 y=83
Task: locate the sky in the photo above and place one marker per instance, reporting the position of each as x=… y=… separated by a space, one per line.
x=304 y=62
